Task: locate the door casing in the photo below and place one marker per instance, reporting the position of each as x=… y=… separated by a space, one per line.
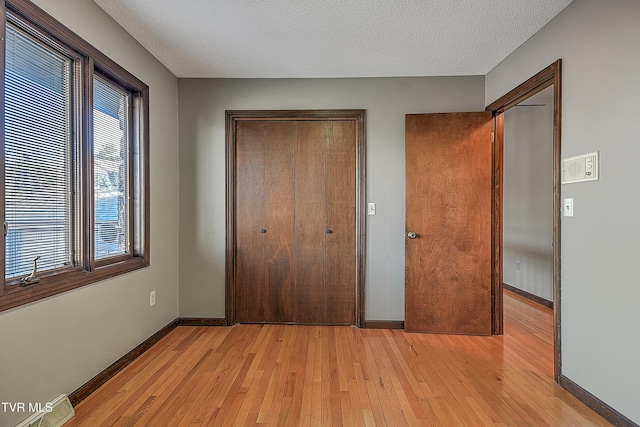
x=234 y=116
x=549 y=76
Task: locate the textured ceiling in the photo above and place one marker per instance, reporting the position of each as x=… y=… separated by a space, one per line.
x=331 y=38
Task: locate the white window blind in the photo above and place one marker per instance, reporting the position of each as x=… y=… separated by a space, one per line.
x=37 y=155
x=110 y=169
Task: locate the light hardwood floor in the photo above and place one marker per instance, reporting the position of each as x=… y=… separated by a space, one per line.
x=279 y=375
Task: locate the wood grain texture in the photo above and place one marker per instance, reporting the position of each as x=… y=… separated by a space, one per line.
x=250 y=203
x=286 y=375
x=279 y=222
x=309 y=262
x=497 y=322
x=340 y=208
x=334 y=143
x=449 y=206
x=557 y=208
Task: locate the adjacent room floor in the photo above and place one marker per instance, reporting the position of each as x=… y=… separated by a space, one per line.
x=249 y=375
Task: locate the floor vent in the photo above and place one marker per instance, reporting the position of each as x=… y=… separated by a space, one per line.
x=61 y=412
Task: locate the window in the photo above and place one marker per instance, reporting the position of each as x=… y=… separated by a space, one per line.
x=110 y=169
x=37 y=154
x=75 y=161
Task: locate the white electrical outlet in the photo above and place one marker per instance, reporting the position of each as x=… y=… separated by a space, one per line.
x=152 y=298
x=518 y=265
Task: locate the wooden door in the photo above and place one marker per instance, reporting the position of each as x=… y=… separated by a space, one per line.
x=264 y=236
x=310 y=223
x=278 y=222
x=340 y=223
x=295 y=195
x=325 y=230
x=448 y=223
x=250 y=148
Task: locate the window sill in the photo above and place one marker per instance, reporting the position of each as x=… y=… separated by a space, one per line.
x=12 y=295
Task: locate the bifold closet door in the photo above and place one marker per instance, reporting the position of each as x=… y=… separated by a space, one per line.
x=264 y=232
x=325 y=204
x=310 y=229
x=340 y=207
x=295 y=196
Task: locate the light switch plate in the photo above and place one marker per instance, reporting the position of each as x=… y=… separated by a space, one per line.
x=568 y=207
x=371 y=209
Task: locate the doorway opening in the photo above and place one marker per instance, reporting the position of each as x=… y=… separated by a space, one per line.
x=546 y=83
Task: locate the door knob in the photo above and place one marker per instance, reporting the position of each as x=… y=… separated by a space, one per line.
x=412 y=235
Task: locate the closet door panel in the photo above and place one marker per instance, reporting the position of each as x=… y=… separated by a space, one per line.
x=309 y=222
x=340 y=221
x=279 y=222
x=250 y=277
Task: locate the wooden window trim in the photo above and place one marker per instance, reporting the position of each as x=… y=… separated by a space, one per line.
x=89 y=61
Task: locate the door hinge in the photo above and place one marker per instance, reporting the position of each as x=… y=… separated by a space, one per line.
x=493 y=137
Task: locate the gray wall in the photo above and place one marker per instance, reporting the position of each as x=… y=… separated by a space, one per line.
x=55 y=345
x=598 y=43
x=202 y=170
x=528 y=199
